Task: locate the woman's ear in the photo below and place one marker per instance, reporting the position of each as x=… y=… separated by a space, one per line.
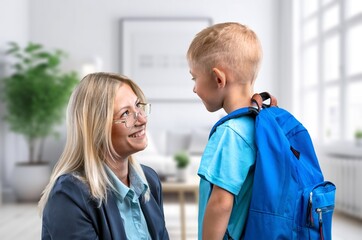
x=220 y=77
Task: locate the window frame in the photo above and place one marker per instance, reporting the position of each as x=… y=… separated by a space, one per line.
x=322 y=86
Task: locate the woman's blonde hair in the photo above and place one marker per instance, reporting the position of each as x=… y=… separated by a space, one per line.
x=230 y=45
x=89 y=124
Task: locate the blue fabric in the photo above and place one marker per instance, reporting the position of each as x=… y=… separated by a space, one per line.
x=289 y=189
x=72 y=213
x=228 y=162
x=128 y=204
x=290 y=198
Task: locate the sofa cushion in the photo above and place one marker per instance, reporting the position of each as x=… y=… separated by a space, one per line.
x=199 y=138
x=177 y=140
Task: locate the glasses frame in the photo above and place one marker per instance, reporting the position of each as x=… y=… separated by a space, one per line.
x=144 y=110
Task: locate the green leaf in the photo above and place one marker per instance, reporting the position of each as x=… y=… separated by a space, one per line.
x=31 y=47
x=36 y=94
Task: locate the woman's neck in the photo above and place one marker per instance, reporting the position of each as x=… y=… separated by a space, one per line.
x=120 y=168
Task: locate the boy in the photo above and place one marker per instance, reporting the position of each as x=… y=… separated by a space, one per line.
x=224 y=61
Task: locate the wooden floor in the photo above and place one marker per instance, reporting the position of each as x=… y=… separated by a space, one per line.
x=18 y=222
x=22 y=222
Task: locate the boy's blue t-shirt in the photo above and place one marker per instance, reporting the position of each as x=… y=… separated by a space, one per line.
x=228 y=162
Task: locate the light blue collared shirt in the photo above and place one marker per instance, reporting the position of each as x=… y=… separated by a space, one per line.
x=134 y=222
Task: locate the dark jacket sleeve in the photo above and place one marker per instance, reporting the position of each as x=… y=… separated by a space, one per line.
x=66 y=216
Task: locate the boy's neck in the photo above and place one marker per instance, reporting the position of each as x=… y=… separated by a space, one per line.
x=237 y=97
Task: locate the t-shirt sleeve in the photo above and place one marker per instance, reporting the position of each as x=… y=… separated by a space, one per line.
x=227 y=158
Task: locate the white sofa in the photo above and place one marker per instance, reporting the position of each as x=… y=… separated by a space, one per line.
x=164 y=144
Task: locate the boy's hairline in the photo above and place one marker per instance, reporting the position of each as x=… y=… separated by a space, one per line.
x=214 y=58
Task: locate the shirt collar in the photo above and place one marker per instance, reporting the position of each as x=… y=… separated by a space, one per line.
x=137 y=186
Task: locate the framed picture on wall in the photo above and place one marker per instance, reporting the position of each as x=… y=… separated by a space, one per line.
x=153 y=53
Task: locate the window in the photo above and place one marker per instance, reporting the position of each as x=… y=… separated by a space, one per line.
x=330 y=81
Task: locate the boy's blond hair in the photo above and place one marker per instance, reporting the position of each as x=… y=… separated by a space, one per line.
x=231 y=46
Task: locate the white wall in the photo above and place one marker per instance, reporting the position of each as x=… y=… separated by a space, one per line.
x=91 y=28
x=88 y=28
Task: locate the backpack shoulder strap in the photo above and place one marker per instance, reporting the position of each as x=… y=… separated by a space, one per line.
x=258 y=102
x=263 y=100
x=235 y=114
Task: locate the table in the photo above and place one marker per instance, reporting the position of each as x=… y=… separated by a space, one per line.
x=181 y=188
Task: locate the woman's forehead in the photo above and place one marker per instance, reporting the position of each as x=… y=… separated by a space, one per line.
x=125 y=96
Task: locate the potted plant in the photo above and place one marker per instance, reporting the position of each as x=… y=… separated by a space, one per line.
x=182 y=161
x=358 y=137
x=35 y=95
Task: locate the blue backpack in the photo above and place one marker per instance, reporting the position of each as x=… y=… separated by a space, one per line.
x=290 y=198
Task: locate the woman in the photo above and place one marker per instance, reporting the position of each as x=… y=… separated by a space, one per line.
x=97 y=190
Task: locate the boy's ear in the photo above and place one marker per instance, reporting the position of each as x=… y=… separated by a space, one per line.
x=220 y=77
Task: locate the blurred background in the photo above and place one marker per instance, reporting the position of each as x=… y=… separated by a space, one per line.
x=312 y=63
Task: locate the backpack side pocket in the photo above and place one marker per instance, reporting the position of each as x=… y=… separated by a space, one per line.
x=319 y=202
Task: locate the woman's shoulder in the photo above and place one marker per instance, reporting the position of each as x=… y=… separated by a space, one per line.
x=151 y=175
x=149 y=172
x=70 y=182
x=70 y=178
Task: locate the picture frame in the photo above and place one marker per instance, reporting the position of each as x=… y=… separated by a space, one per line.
x=153 y=54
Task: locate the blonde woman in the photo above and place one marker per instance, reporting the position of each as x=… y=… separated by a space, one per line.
x=97 y=190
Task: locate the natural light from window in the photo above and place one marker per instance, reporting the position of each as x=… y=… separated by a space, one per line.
x=330 y=43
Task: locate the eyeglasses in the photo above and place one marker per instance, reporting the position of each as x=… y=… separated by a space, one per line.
x=144 y=109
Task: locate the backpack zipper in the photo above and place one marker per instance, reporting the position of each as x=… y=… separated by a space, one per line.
x=310 y=220
x=320 y=212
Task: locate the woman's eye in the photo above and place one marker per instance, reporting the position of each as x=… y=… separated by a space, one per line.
x=125 y=114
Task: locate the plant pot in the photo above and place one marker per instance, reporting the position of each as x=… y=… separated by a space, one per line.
x=181 y=174
x=359 y=142
x=29 y=180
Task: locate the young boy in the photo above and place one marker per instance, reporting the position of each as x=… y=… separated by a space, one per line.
x=224 y=61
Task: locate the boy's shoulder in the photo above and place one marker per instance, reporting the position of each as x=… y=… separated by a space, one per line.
x=234 y=129
x=241 y=125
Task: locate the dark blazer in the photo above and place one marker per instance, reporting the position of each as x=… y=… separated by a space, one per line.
x=71 y=212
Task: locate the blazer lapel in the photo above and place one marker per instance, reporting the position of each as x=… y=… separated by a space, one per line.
x=154 y=218
x=114 y=218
